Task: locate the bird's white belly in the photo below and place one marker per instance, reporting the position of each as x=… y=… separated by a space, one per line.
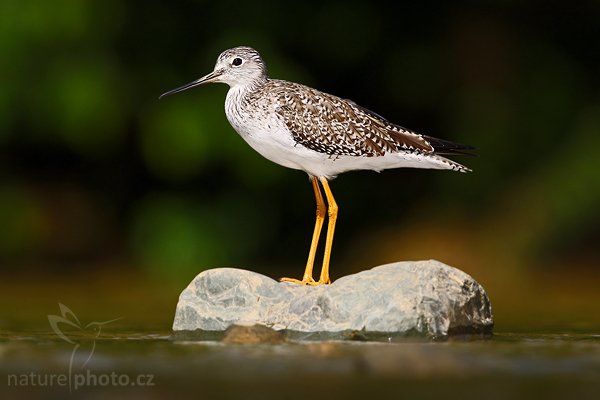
x=274 y=142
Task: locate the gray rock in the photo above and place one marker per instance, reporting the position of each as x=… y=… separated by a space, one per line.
x=423 y=297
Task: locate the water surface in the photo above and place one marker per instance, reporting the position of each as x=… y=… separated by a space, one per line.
x=122 y=363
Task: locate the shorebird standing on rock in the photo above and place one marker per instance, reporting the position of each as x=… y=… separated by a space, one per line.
x=302 y=128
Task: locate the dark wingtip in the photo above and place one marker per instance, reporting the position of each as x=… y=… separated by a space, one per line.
x=457 y=152
x=448 y=148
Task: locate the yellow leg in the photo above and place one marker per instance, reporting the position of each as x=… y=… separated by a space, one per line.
x=333 y=212
x=307 y=279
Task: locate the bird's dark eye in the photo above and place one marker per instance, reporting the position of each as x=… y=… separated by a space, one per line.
x=236 y=62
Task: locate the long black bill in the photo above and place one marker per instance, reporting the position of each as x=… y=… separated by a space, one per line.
x=205 y=79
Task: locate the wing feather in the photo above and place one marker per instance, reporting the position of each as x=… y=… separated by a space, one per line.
x=334 y=126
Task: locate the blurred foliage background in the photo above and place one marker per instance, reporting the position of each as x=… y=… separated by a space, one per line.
x=102 y=186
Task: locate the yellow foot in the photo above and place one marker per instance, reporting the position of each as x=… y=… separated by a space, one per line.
x=305 y=281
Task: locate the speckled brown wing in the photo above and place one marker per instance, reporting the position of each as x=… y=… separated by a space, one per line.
x=334 y=126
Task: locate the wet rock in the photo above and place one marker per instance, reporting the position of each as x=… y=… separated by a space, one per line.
x=412 y=297
x=252 y=334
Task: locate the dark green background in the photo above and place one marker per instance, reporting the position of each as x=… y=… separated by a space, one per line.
x=103 y=188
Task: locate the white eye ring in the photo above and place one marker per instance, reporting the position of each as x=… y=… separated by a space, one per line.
x=236 y=62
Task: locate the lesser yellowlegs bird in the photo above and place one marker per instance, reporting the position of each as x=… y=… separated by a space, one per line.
x=302 y=128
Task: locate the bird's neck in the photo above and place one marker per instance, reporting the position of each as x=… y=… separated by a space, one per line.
x=249 y=86
x=238 y=95
x=239 y=98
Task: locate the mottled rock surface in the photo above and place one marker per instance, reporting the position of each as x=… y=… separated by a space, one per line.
x=422 y=297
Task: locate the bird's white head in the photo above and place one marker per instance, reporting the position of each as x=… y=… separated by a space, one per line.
x=239 y=66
